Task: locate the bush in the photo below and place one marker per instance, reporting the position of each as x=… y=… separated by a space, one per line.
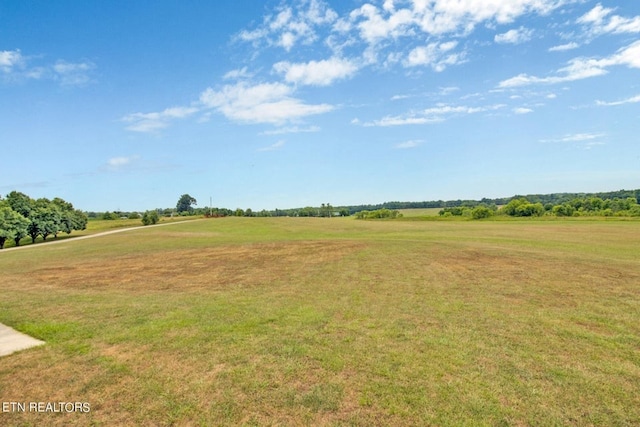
x=110 y=216
x=522 y=207
x=150 y=217
x=481 y=212
x=378 y=214
x=455 y=211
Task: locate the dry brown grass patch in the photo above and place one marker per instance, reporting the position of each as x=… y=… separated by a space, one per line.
x=210 y=268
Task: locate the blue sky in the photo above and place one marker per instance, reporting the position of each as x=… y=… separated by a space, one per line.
x=126 y=105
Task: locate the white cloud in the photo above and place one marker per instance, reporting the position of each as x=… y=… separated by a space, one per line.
x=564 y=47
x=409 y=144
x=16 y=66
x=585 y=141
x=117 y=163
x=291 y=129
x=241 y=73
x=73 y=74
x=317 y=73
x=434 y=55
x=372 y=31
x=449 y=89
x=373 y=26
x=446 y=16
x=632 y=100
x=518 y=36
x=291 y=25
x=9 y=59
x=152 y=122
x=576 y=137
x=401 y=121
x=261 y=103
x=398 y=97
x=435 y=114
x=273 y=147
x=581 y=68
x=522 y=110
x=600 y=21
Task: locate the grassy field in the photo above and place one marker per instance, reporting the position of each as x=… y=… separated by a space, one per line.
x=412 y=213
x=317 y=321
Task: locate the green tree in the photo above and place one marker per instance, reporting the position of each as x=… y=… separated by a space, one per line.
x=20 y=203
x=73 y=220
x=12 y=225
x=522 y=207
x=69 y=218
x=565 y=209
x=109 y=216
x=150 y=217
x=481 y=212
x=185 y=203
x=308 y=211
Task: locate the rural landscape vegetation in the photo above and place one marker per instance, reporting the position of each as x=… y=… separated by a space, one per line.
x=320 y=213
x=418 y=316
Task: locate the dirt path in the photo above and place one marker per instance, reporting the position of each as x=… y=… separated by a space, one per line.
x=89 y=236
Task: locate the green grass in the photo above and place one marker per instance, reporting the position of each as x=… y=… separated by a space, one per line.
x=313 y=321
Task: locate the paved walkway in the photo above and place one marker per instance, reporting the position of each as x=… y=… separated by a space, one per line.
x=12 y=341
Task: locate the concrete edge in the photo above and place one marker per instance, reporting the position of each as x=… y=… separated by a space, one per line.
x=12 y=341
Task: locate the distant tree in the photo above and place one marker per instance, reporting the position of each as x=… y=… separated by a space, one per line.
x=326 y=210
x=455 y=211
x=522 y=207
x=565 y=209
x=185 y=203
x=150 y=217
x=248 y=212
x=379 y=214
x=308 y=211
x=109 y=216
x=481 y=212
x=239 y=212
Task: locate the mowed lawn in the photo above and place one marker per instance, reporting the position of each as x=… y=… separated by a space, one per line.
x=318 y=321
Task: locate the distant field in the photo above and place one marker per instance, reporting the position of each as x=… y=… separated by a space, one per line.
x=331 y=321
x=408 y=213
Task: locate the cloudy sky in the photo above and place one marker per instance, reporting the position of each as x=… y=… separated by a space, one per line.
x=278 y=104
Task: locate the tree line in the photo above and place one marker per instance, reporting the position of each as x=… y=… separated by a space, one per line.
x=568 y=204
x=22 y=216
x=579 y=206
x=544 y=199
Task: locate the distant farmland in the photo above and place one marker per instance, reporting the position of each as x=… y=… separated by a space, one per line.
x=331 y=321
